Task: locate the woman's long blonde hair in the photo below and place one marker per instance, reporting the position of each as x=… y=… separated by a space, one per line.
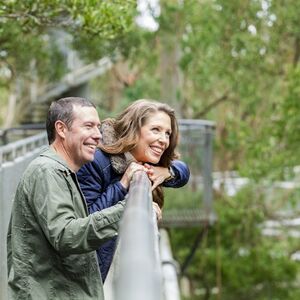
x=127 y=127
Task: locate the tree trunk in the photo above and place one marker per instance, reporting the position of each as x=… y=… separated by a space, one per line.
x=170 y=72
x=11 y=107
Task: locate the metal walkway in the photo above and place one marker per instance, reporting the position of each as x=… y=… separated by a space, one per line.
x=196 y=150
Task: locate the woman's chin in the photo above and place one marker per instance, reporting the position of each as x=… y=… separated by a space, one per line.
x=153 y=160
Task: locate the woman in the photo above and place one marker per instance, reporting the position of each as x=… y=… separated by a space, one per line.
x=143 y=137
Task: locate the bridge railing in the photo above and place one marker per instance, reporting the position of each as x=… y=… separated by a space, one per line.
x=12 y=134
x=204 y=138
x=196 y=143
x=143 y=266
x=136 y=270
x=193 y=204
x=14 y=158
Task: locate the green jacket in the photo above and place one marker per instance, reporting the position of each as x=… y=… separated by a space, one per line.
x=51 y=238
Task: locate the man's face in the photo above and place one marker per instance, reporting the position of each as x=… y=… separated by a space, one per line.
x=83 y=137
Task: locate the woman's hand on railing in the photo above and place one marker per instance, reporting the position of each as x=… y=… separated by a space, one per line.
x=127 y=176
x=157 y=175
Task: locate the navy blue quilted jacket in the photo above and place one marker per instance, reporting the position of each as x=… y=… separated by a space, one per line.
x=101 y=187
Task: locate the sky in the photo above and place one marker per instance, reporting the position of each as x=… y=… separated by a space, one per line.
x=148 y=9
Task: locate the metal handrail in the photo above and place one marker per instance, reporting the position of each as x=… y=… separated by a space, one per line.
x=169 y=268
x=20 y=148
x=138 y=275
x=24 y=130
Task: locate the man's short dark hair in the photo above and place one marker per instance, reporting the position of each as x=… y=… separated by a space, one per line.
x=62 y=110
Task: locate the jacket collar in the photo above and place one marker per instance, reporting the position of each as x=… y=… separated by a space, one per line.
x=121 y=161
x=50 y=153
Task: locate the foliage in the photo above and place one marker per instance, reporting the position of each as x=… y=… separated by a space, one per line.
x=27 y=20
x=28 y=34
x=235 y=257
x=238 y=62
x=105 y=18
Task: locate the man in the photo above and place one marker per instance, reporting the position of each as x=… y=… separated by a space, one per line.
x=51 y=237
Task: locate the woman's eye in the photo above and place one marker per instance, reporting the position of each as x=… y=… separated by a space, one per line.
x=155 y=129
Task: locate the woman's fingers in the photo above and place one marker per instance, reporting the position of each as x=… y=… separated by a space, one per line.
x=157 y=210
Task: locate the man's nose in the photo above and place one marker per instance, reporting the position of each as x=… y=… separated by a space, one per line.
x=97 y=133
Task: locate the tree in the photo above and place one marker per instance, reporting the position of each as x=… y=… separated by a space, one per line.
x=240 y=67
x=26 y=39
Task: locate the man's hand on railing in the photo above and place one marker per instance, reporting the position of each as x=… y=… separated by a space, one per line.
x=157 y=211
x=127 y=176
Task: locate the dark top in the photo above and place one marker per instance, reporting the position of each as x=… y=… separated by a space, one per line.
x=101 y=187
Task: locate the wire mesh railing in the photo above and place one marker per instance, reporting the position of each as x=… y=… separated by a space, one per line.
x=193 y=203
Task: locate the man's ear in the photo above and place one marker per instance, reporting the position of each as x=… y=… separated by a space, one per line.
x=60 y=128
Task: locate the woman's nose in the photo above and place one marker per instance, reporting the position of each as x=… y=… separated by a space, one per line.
x=163 y=138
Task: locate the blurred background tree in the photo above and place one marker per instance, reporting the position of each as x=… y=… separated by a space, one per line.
x=30 y=49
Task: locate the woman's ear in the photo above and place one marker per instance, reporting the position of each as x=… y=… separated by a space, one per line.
x=60 y=128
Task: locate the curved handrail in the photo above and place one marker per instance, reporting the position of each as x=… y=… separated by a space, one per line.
x=138 y=275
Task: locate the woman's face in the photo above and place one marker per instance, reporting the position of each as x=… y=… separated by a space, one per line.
x=154 y=138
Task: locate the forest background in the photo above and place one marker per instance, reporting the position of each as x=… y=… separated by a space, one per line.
x=233 y=62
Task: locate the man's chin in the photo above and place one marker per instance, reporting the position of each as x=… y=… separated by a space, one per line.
x=89 y=158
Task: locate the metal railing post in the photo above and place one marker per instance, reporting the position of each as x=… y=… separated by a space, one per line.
x=207 y=173
x=169 y=268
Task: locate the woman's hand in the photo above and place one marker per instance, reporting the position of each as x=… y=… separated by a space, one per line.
x=157 y=174
x=131 y=169
x=157 y=210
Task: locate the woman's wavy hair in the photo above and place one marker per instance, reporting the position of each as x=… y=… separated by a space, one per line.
x=127 y=127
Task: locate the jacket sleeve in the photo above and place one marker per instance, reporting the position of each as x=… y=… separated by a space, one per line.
x=59 y=211
x=99 y=193
x=182 y=174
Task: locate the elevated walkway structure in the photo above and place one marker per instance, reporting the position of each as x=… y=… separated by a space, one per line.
x=196 y=150
x=73 y=83
x=76 y=78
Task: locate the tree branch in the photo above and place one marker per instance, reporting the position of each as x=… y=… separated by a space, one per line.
x=297 y=52
x=210 y=106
